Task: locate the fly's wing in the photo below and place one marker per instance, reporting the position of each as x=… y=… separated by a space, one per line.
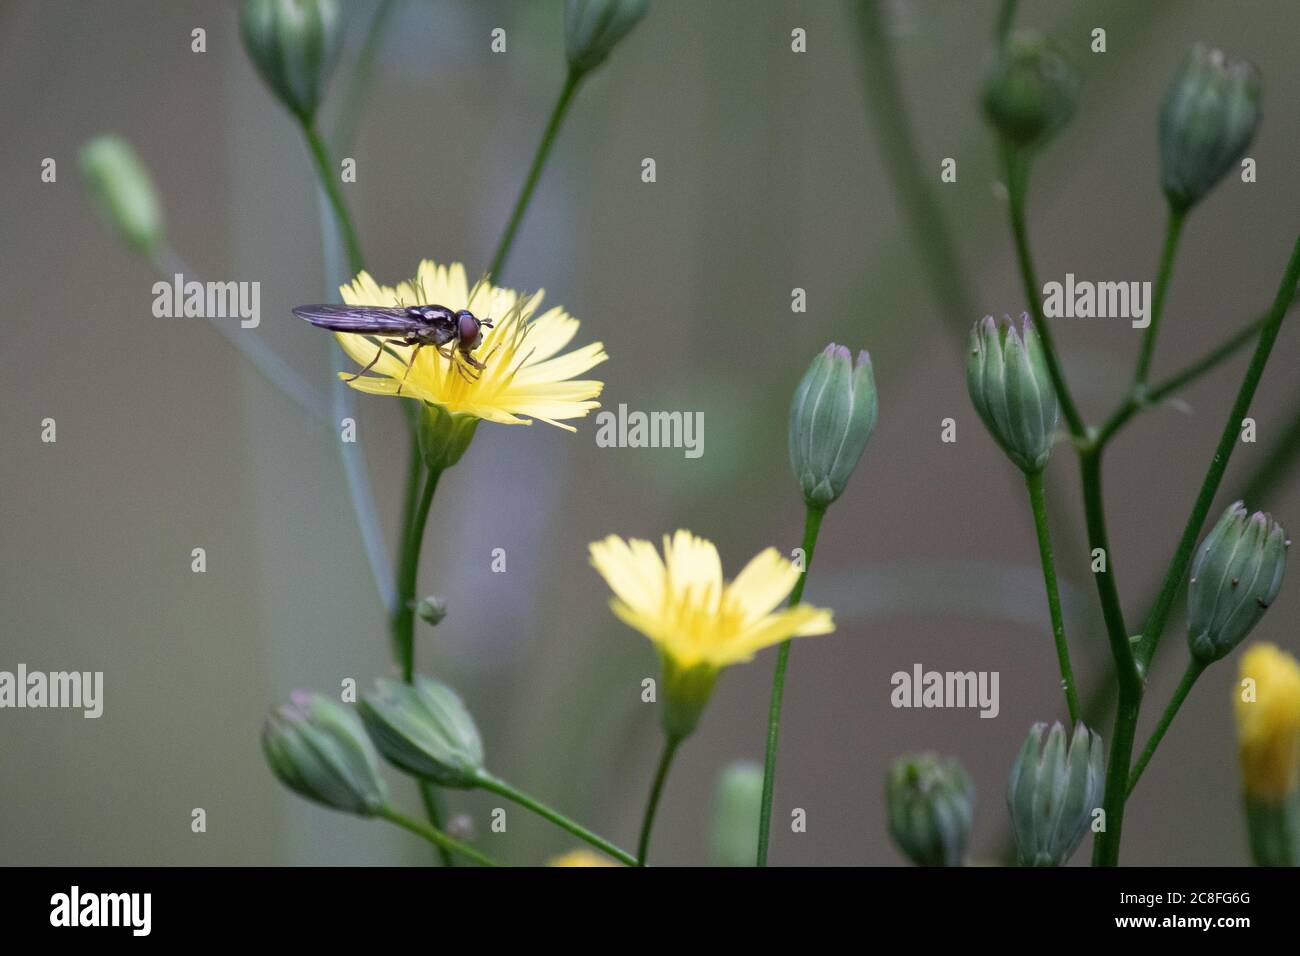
x=363 y=320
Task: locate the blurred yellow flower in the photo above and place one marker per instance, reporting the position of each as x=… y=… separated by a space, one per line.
x=580 y=858
x=525 y=378
x=682 y=604
x=1268 y=727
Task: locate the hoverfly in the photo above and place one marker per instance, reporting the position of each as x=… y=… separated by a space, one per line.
x=454 y=334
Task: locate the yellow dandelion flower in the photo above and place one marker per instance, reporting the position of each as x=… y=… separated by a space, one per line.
x=526 y=378
x=580 y=858
x=699 y=623
x=1268 y=721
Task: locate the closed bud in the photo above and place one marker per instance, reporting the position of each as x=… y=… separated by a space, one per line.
x=444 y=436
x=1006 y=374
x=931 y=805
x=1235 y=577
x=592 y=28
x=736 y=809
x=432 y=610
x=318 y=749
x=1207 y=122
x=1053 y=793
x=1267 y=703
x=120 y=188
x=831 y=421
x=1030 y=90
x=424 y=729
x=294 y=44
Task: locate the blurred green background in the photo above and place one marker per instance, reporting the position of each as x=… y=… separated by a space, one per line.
x=769 y=178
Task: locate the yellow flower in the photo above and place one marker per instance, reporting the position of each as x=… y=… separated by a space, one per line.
x=699 y=623
x=580 y=858
x=525 y=378
x=1268 y=727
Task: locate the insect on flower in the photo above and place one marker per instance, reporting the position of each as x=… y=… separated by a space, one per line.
x=454 y=334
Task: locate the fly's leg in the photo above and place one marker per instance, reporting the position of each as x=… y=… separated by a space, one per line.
x=379 y=350
x=414 y=352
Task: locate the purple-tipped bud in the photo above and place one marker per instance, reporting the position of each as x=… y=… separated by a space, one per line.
x=831 y=421
x=1006 y=374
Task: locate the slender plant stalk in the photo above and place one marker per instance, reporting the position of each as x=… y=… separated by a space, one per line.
x=349 y=117
x=1106 y=847
x=1173 y=230
x=1016 y=166
x=408 y=572
x=1039 y=507
x=1155 y=623
x=444 y=843
x=571 y=81
x=895 y=136
x=1006 y=20
x=647 y=822
x=812 y=525
x=1194 y=670
x=498 y=786
x=325 y=175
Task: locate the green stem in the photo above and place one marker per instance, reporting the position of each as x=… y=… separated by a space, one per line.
x=1105 y=849
x=1173 y=230
x=328 y=179
x=498 y=786
x=1016 y=165
x=665 y=761
x=1159 y=615
x=1006 y=19
x=1039 y=507
x=1121 y=647
x=896 y=139
x=444 y=843
x=1194 y=670
x=408 y=571
x=812 y=525
x=571 y=81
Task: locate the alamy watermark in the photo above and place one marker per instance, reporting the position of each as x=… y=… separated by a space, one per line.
x=208 y=300
x=958 y=689
x=638 y=429
x=1081 y=299
x=76 y=690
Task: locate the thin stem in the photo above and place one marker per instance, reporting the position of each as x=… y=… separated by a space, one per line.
x=1039 y=507
x=1159 y=615
x=444 y=843
x=1105 y=849
x=328 y=179
x=665 y=761
x=1121 y=647
x=1016 y=165
x=571 y=81
x=890 y=121
x=1006 y=19
x=499 y=786
x=812 y=525
x=1194 y=670
x=1207 y=362
x=1173 y=230
x=345 y=129
x=408 y=571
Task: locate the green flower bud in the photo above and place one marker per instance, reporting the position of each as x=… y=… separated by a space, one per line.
x=424 y=729
x=831 y=421
x=1053 y=793
x=1030 y=90
x=432 y=610
x=1008 y=381
x=444 y=437
x=592 y=28
x=736 y=809
x=1235 y=577
x=1207 y=121
x=294 y=44
x=319 y=749
x=931 y=805
x=120 y=188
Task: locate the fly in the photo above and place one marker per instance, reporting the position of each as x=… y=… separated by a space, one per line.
x=454 y=334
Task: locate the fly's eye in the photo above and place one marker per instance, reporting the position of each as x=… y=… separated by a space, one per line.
x=467 y=327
